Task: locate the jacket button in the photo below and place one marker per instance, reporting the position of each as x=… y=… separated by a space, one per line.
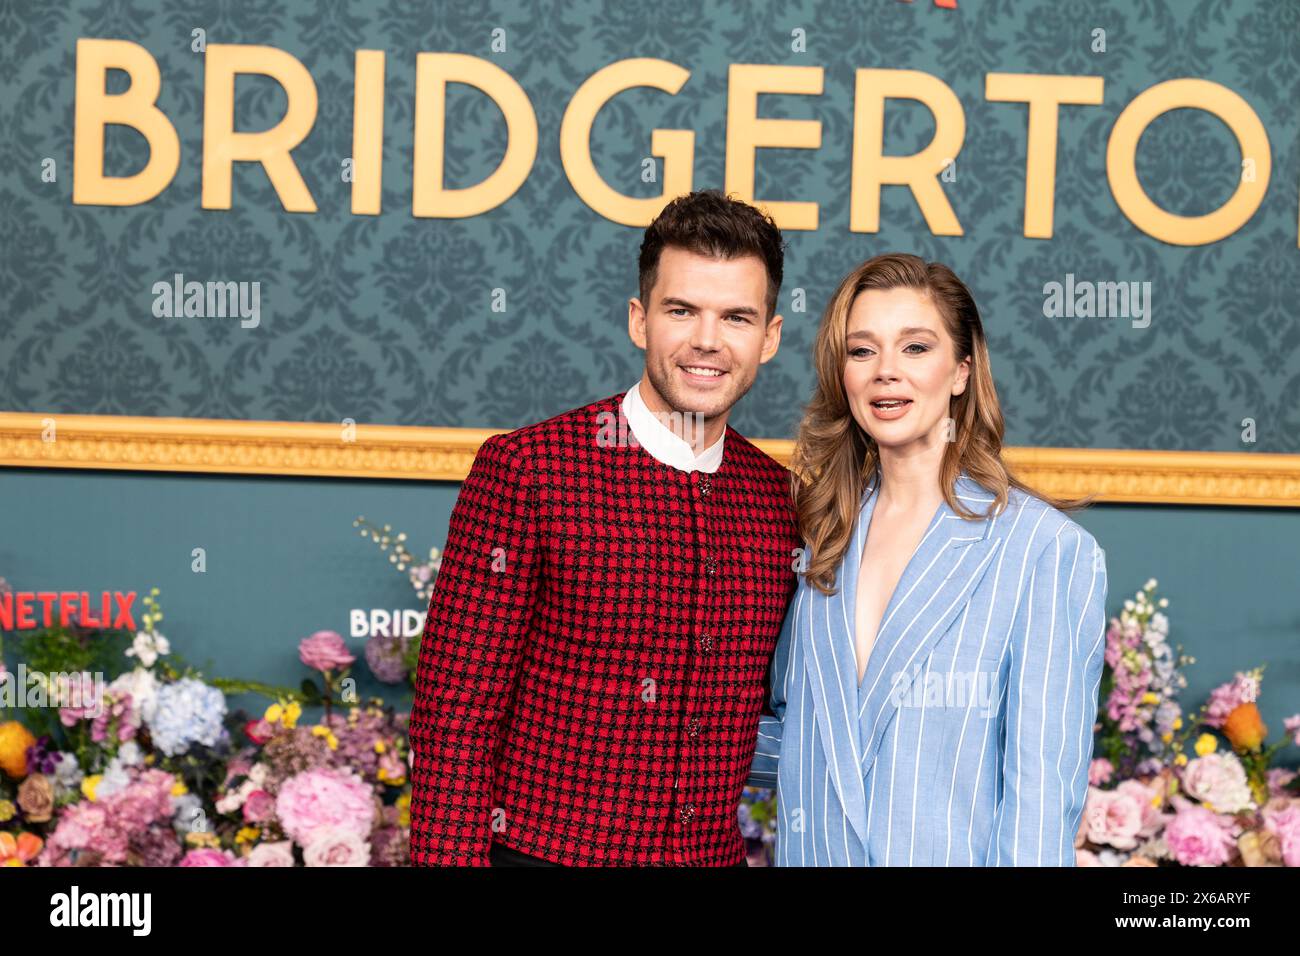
x=687 y=812
x=705 y=487
x=693 y=728
x=705 y=642
x=710 y=565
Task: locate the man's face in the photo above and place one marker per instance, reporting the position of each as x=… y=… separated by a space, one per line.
x=703 y=331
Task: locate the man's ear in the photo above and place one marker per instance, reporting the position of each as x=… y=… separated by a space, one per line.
x=636 y=322
x=771 y=339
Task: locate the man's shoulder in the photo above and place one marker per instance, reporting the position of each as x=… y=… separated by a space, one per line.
x=565 y=434
x=751 y=457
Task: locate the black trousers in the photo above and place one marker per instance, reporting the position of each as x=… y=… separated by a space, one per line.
x=499 y=855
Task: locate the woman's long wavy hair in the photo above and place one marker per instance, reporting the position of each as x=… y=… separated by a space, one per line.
x=834 y=457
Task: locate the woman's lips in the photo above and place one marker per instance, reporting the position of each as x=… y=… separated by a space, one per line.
x=891 y=409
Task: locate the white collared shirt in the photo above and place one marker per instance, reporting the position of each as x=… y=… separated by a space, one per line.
x=660 y=440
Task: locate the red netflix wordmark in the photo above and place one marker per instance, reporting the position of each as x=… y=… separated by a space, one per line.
x=17 y=609
x=946 y=4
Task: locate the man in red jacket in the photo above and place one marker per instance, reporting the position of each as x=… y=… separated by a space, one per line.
x=594 y=660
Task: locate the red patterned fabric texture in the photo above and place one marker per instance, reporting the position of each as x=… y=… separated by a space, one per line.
x=594 y=660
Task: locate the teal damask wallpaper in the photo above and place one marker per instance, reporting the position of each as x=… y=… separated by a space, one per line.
x=390 y=319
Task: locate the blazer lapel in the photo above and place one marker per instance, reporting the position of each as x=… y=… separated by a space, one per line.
x=833 y=674
x=934 y=588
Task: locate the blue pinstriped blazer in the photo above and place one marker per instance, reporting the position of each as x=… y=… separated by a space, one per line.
x=968 y=741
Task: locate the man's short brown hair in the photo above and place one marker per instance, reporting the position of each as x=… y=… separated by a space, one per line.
x=708 y=223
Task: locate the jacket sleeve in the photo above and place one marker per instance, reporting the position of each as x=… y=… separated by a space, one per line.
x=1056 y=652
x=473 y=642
x=762 y=773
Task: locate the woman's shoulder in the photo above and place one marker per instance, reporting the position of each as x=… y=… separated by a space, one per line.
x=1028 y=521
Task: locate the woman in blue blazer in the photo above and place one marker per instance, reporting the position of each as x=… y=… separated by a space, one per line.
x=934 y=687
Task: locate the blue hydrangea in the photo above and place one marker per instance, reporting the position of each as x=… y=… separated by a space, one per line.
x=185 y=713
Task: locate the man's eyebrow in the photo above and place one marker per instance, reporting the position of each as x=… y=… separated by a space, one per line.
x=910 y=330
x=735 y=310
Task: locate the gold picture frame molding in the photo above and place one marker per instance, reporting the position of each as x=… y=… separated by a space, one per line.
x=227 y=446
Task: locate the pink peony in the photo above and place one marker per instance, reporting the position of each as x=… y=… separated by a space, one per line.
x=1148 y=800
x=1100 y=772
x=336 y=846
x=259 y=807
x=1226 y=698
x=1218 y=779
x=325 y=651
x=206 y=856
x=1197 y=837
x=1114 y=818
x=1285 y=825
x=272 y=854
x=325 y=797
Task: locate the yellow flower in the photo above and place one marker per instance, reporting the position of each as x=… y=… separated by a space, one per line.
x=403 y=804
x=14 y=741
x=247 y=835
x=202 y=838
x=379 y=747
x=1206 y=744
x=7 y=811
x=89 y=784
x=1178 y=723
x=291 y=713
x=320 y=730
x=14 y=861
x=179 y=789
x=1167 y=737
x=1181 y=760
x=1150 y=697
x=272 y=715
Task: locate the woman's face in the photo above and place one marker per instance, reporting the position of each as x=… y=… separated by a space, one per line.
x=900 y=354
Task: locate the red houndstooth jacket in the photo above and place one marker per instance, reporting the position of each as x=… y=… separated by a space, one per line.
x=594 y=660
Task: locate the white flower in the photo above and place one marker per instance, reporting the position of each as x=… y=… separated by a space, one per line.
x=148 y=646
x=1159 y=623
x=142 y=685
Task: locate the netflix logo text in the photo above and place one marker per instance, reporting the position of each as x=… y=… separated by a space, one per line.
x=24 y=610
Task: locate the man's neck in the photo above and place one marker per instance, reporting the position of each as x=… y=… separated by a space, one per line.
x=698 y=432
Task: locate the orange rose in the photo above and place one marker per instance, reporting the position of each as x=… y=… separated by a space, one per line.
x=20 y=851
x=14 y=741
x=1244 y=727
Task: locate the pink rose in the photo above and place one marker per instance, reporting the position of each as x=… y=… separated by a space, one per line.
x=335 y=846
x=1197 y=837
x=259 y=807
x=206 y=856
x=325 y=651
x=1114 y=818
x=272 y=854
x=325 y=797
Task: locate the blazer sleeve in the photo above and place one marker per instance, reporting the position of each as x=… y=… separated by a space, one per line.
x=1056 y=651
x=762 y=773
x=470 y=652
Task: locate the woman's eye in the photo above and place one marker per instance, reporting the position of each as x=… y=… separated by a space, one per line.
x=918 y=345
x=860 y=352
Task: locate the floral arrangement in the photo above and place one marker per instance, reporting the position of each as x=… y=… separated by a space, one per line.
x=152 y=769
x=1149 y=802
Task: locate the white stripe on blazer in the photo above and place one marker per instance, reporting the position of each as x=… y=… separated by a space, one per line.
x=968 y=741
